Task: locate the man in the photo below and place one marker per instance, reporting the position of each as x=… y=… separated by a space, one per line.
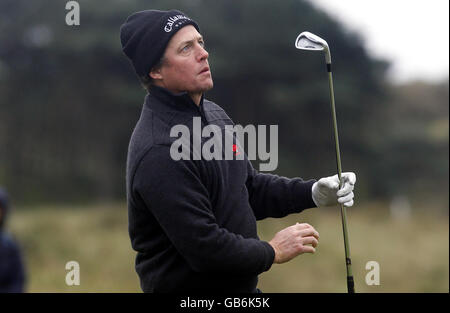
x=12 y=275
x=193 y=222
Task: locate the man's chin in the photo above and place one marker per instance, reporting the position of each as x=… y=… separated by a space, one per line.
x=201 y=87
x=209 y=86
x=206 y=87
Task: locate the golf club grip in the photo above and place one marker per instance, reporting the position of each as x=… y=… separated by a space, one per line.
x=350 y=284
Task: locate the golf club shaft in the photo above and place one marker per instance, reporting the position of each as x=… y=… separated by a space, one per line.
x=350 y=282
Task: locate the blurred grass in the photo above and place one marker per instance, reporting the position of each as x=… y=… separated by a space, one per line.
x=96 y=237
x=413 y=254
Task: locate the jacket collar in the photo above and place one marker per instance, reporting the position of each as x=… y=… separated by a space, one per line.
x=167 y=101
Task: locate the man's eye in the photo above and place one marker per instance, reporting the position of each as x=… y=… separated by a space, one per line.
x=185 y=48
x=202 y=43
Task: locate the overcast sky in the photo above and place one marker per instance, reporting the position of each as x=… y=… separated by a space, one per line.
x=413 y=34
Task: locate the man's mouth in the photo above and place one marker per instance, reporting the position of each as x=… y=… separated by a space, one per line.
x=204 y=70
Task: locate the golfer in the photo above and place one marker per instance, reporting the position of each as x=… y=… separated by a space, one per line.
x=193 y=222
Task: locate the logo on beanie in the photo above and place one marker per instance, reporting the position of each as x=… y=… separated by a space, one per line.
x=171 y=21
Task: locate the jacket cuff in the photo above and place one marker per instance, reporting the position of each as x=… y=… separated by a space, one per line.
x=303 y=197
x=269 y=256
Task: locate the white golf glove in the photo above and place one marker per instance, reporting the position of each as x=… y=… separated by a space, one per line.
x=325 y=191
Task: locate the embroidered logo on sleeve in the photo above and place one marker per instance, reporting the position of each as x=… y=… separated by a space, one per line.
x=235 y=150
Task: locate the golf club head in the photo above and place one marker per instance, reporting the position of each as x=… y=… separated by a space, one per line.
x=309 y=41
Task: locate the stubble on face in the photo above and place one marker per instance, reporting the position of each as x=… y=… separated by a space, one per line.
x=185 y=66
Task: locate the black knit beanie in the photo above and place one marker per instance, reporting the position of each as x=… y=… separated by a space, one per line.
x=145 y=35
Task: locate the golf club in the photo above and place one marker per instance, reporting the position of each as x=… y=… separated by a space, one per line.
x=309 y=41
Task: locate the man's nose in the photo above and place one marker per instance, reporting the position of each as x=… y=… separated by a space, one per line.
x=202 y=54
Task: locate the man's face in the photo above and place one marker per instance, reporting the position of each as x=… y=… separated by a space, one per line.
x=185 y=66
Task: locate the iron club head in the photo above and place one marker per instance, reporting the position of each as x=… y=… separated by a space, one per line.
x=309 y=41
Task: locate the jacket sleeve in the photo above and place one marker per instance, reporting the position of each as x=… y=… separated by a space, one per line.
x=178 y=198
x=277 y=196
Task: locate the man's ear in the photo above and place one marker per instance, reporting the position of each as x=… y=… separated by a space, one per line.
x=155 y=73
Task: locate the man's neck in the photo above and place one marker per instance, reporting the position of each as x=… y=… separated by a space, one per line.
x=196 y=97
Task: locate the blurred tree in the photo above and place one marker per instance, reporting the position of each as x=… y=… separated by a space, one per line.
x=411 y=144
x=69 y=99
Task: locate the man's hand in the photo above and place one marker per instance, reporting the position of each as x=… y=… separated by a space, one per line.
x=325 y=191
x=294 y=240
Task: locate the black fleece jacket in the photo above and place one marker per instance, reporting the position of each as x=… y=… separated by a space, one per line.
x=193 y=222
